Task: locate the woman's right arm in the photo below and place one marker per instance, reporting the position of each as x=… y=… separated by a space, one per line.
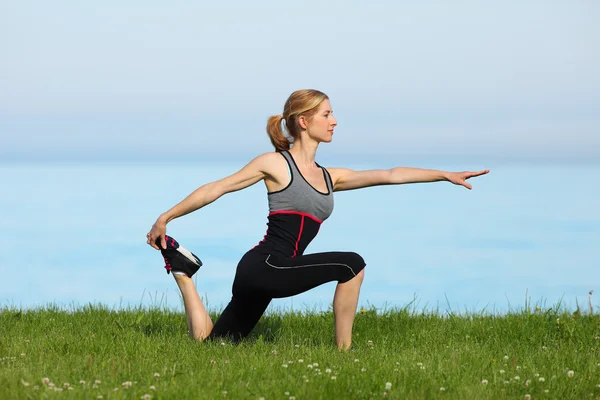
x=254 y=171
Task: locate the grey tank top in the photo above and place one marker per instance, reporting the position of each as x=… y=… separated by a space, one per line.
x=300 y=196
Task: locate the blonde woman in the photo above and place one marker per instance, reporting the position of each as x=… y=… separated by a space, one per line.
x=300 y=196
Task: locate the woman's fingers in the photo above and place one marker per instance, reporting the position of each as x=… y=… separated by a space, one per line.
x=478 y=173
x=151 y=240
x=163 y=242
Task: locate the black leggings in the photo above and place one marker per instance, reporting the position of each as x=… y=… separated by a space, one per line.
x=263 y=276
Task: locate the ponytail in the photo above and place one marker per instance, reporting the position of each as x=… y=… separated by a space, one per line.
x=275 y=133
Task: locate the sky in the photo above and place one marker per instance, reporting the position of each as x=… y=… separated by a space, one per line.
x=75 y=234
x=151 y=81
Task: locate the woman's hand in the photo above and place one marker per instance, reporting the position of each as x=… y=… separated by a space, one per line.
x=460 y=178
x=158 y=231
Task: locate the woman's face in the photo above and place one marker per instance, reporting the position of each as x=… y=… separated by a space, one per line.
x=320 y=126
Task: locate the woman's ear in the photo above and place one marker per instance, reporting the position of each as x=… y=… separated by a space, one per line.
x=302 y=122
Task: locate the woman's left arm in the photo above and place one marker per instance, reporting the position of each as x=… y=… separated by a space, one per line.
x=347 y=179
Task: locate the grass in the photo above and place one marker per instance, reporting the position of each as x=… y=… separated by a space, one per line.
x=93 y=351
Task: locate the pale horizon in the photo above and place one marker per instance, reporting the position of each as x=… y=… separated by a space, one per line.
x=517 y=81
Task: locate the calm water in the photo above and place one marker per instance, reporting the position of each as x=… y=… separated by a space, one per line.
x=75 y=234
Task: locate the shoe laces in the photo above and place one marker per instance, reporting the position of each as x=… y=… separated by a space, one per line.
x=167 y=264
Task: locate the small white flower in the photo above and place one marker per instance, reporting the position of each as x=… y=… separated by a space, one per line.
x=315 y=365
x=152 y=387
x=544 y=348
x=300 y=361
x=284 y=365
x=51 y=385
x=82 y=382
x=442 y=389
x=333 y=378
x=527 y=396
x=292 y=398
x=25 y=383
x=541 y=379
x=388 y=385
x=484 y=382
x=501 y=371
x=22 y=355
x=222 y=343
x=224 y=393
x=296 y=345
x=273 y=351
x=100 y=396
x=66 y=385
x=516 y=378
x=57 y=389
x=518 y=367
x=506 y=382
x=356 y=360
x=570 y=374
x=536 y=375
x=146 y=397
x=97 y=382
x=71 y=388
x=309 y=366
x=419 y=364
x=156 y=375
x=546 y=391
x=363 y=369
x=505 y=357
x=45 y=381
x=115 y=389
x=287 y=393
x=327 y=371
x=527 y=382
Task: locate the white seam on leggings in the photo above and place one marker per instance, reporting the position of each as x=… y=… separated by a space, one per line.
x=308 y=265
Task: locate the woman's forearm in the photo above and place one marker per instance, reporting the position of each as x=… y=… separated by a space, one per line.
x=401 y=175
x=199 y=198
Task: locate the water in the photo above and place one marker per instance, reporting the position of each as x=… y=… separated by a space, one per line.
x=74 y=234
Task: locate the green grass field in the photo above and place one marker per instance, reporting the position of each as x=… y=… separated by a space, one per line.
x=95 y=352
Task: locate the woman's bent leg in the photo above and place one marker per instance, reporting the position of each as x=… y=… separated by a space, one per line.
x=345 y=302
x=283 y=277
x=240 y=316
x=199 y=323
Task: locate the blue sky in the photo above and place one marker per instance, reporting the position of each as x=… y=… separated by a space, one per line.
x=76 y=234
x=197 y=80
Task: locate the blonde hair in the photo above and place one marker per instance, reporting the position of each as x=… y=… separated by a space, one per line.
x=302 y=102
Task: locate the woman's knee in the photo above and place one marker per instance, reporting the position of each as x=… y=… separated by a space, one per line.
x=357 y=262
x=360 y=276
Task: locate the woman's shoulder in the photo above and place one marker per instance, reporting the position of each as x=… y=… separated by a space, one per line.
x=269 y=162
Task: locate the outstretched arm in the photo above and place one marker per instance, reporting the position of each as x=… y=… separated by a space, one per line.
x=347 y=179
x=253 y=172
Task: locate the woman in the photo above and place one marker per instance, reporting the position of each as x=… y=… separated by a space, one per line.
x=300 y=194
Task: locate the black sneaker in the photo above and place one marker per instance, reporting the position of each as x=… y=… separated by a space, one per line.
x=178 y=258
